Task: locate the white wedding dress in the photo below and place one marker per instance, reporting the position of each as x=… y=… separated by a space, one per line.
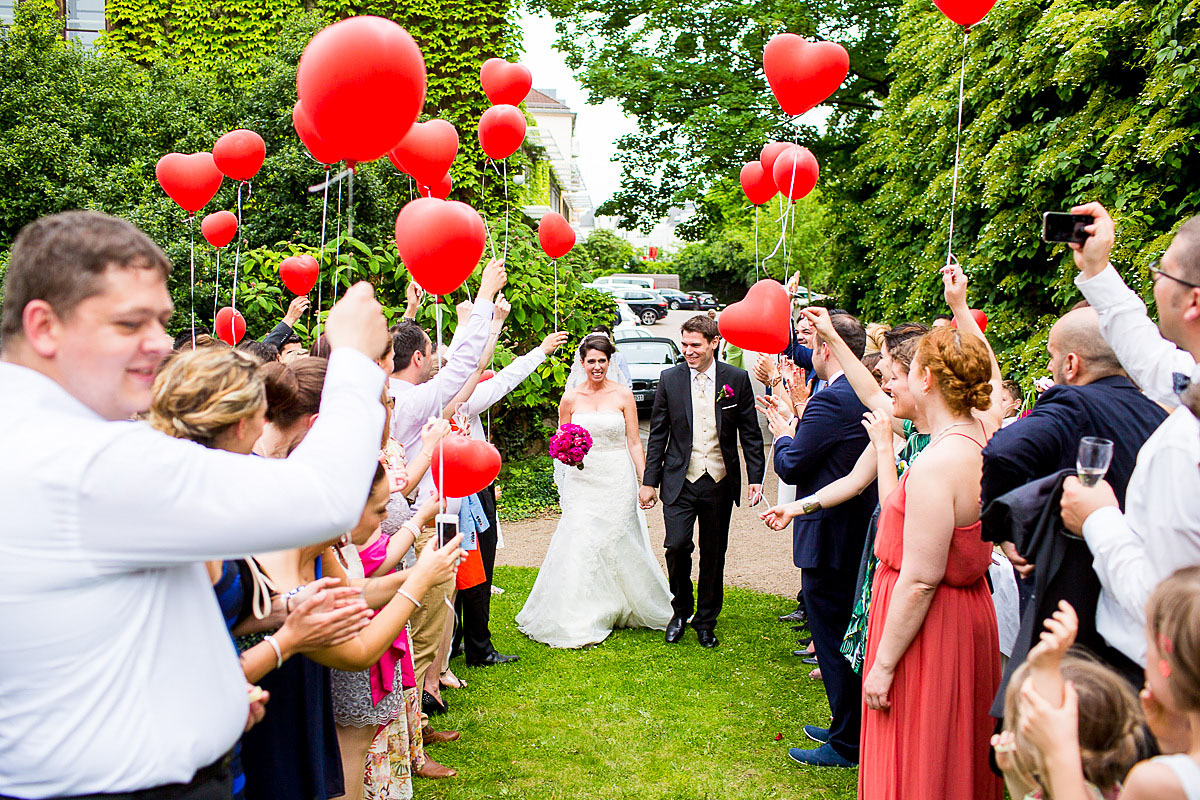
x=600 y=572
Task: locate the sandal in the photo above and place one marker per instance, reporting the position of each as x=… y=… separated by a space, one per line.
x=454 y=682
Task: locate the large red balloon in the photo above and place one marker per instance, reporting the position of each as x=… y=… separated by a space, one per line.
x=796 y=172
x=980 y=319
x=470 y=465
x=757 y=183
x=239 y=154
x=312 y=140
x=965 y=12
x=426 y=151
x=362 y=82
x=190 y=180
x=761 y=321
x=229 y=326
x=505 y=83
x=802 y=73
x=556 y=235
x=299 y=273
x=441 y=189
x=440 y=241
x=770 y=152
x=501 y=131
x=219 y=228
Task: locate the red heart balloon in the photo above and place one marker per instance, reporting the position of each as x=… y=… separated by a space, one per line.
x=219 y=228
x=299 y=273
x=980 y=319
x=470 y=465
x=556 y=235
x=761 y=321
x=229 y=326
x=362 y=82
x=757 y=183
x=190 y=180
x=802 y=73
x=487 y=375
x=441 y=189
x=239 y=154
x=505 y=83
x=426 y=151
x=769 y=153
x=796 y=172
x=316 y=146
x=501 y=131
x=440 y=241
x=965 y=12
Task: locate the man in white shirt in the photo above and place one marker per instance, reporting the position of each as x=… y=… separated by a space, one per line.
x=116 y=662
x=1160 y=529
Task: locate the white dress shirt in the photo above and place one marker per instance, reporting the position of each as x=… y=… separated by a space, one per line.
x=488 y=393
x=117 y=671
x=416 y=403
x=1160 y=529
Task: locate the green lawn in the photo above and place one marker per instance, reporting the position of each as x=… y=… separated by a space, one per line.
x=635 y=717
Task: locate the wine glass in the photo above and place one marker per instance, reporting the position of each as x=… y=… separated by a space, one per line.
x=1091 y=463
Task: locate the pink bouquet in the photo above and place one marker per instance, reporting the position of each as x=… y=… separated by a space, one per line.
x=570 y=445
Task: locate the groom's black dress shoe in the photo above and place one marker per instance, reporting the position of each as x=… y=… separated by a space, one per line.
x=798 y=617
x=675 y=629
x=707 y=638
x=492 y=659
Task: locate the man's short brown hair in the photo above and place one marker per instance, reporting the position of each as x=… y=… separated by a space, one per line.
x=701 y=324
x=62 y=258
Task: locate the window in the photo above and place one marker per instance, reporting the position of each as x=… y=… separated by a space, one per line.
x=85 y=20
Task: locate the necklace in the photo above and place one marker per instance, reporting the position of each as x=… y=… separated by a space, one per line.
x=940 y=434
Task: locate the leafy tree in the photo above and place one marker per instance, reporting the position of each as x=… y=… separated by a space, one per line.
x=607 y=252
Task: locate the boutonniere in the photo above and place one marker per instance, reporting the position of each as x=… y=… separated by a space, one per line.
x=726 y=393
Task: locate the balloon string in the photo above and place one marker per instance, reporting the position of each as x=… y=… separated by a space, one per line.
x=337 y=243
x=555 y=262
x=486 y=225
x=957 y=145
x=506 y=209
x=324 y=217
x=349 y=235
x=237 y=252
x=437 y=315
x=192 y=244
x=217 y=285
x=756 y=264
x=783 y=228
x=791 y=247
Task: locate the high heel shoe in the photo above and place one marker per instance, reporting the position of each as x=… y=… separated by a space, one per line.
x=430 y=705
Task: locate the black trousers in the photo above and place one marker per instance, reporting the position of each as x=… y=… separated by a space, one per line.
x=709 y=503
x=474 y=605
x=829 y=595
x=210 y=783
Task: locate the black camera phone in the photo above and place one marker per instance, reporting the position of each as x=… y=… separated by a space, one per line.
x=1063 y=227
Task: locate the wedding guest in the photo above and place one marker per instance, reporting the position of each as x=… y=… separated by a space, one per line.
x=1159 y=530
x=942 y=320
x=291 y=348
x=283 y=336
x=88 y=495
x=824 y=446
x=1012 y=398
x=925 y=704
x=875 y=334
x=263 y=352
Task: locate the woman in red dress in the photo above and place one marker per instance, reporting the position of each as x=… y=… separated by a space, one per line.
x=933 y=658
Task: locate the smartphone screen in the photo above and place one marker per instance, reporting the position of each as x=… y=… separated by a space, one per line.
x=447 y=528
x=1063 y=227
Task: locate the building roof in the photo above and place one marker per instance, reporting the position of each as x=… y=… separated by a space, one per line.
x=541 y=99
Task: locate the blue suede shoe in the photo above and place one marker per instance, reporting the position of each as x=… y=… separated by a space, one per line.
x=823 y=756
x=819 y=735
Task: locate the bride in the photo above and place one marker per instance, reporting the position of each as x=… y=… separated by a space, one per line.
x=600 y=572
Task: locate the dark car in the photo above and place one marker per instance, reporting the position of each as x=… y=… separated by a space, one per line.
x=677 y=299
x=647 y=358
x=647 y=305
x=705 y=301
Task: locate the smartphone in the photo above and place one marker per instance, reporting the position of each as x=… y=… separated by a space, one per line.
x=1062 y=227
x=447 y=528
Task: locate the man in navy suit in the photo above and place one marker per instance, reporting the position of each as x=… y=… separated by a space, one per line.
x=827 y=543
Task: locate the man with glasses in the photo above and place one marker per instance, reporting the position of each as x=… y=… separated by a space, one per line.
x=1160 y=528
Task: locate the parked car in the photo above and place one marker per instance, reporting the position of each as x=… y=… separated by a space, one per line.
x=677 y=300
x=630 y=332
x=649 y=306
x=625 y=280
x=705 y=301
x=625 y=316
x=647 y=358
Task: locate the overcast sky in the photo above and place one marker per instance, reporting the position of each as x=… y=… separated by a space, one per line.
x=596 y=127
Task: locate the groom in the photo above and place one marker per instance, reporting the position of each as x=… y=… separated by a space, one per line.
x=700 y=409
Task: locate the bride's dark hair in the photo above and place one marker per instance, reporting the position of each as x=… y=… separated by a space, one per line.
x=596 y=341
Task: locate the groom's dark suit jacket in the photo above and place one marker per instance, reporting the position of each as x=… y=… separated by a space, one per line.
x=669 y=449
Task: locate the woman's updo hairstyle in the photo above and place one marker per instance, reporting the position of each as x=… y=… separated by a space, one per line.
x=961 y=366
x=200 y=393
x=293 y=389
x=596 y=341
x=1171 y=619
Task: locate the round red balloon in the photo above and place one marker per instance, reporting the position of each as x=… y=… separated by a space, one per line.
x=316 y=146
x=757 y=183
x=555 y=235
x=190 y=180
x=299 y=273
x=501 y=131
x=470 y=465
x=802 y=73
x=362 y=82
x=441 y=189
x=426 y=151
x=239 y=154
x=965 y=12
x=440 y=242
x=219 y=228
x=796 y=172
x=761 y=321
x=229 y=326
x=505 y=83
x=769 y=153
x=980 y=319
